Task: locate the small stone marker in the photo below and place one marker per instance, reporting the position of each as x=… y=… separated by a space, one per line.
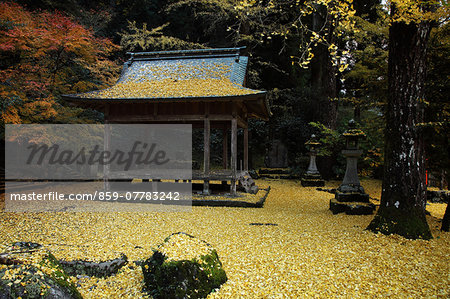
x=350 y=196
x=277 y=156
x=312 y=178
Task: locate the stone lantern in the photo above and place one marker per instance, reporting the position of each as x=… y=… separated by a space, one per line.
x=312 y=178
x=350 y=196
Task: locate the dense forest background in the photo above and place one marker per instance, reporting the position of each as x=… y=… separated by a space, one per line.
x=53 y=47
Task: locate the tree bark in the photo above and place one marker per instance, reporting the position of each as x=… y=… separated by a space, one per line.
x=403 y=198
x=323 y=73
x=323 y=84
x=446 y=221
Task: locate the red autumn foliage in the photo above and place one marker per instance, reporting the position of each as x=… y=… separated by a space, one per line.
x=45 y=54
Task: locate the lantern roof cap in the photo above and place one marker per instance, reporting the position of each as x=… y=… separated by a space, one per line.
x=353 y=131
x=313 y=141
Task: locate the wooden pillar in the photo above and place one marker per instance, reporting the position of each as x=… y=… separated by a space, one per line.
x=246 y=149
x=106 y=147
x=225 y=148
x=206 y=155
x=233 y=155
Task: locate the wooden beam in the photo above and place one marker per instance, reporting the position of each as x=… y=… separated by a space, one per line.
x=242 y=107
x=245 y=149
x=206 y=153
x=233 y=155
x=141 y=118
x=106 y=146
x=155 y=110
x=107 y=113
x=241 y=122
x=225 y=148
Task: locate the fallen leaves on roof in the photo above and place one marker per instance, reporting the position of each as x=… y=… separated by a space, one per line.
x=171 y=88
x=175 y=80
x=177 y=70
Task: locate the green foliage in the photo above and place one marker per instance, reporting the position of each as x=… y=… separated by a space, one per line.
x=330 y=139
x=372 y=161
x=372 y=124
x=367 y=9
x=291 y=113
x=201 y=21
x=366 y=81
x=183 y=25
x=437 y=110
x=137 y=39
x=331 y=146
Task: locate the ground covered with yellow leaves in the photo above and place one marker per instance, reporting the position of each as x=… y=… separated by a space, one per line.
x=308 y=253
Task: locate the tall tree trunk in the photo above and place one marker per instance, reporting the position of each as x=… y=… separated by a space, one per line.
x=323 y=73
x=323 y=83
x=403 y=199
x=446 y=221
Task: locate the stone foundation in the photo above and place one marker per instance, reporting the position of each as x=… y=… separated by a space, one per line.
x=351 y=208
x=352 y=197
x=312 y=181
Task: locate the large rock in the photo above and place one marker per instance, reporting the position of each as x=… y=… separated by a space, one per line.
x=183 y=267
x=28 y=270
x=98 y=269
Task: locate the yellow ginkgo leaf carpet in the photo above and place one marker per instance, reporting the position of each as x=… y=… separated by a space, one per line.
x=308 y=253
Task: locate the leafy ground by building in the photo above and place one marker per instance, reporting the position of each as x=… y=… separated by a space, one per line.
x=302 y=251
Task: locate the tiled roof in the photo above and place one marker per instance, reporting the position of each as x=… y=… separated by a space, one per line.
x=185 y=74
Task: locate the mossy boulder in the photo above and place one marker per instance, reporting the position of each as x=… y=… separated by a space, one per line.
x=183 y=267
x=28 y=270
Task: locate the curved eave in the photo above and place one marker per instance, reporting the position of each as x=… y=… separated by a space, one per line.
x=256 y=103
x=262 y=105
